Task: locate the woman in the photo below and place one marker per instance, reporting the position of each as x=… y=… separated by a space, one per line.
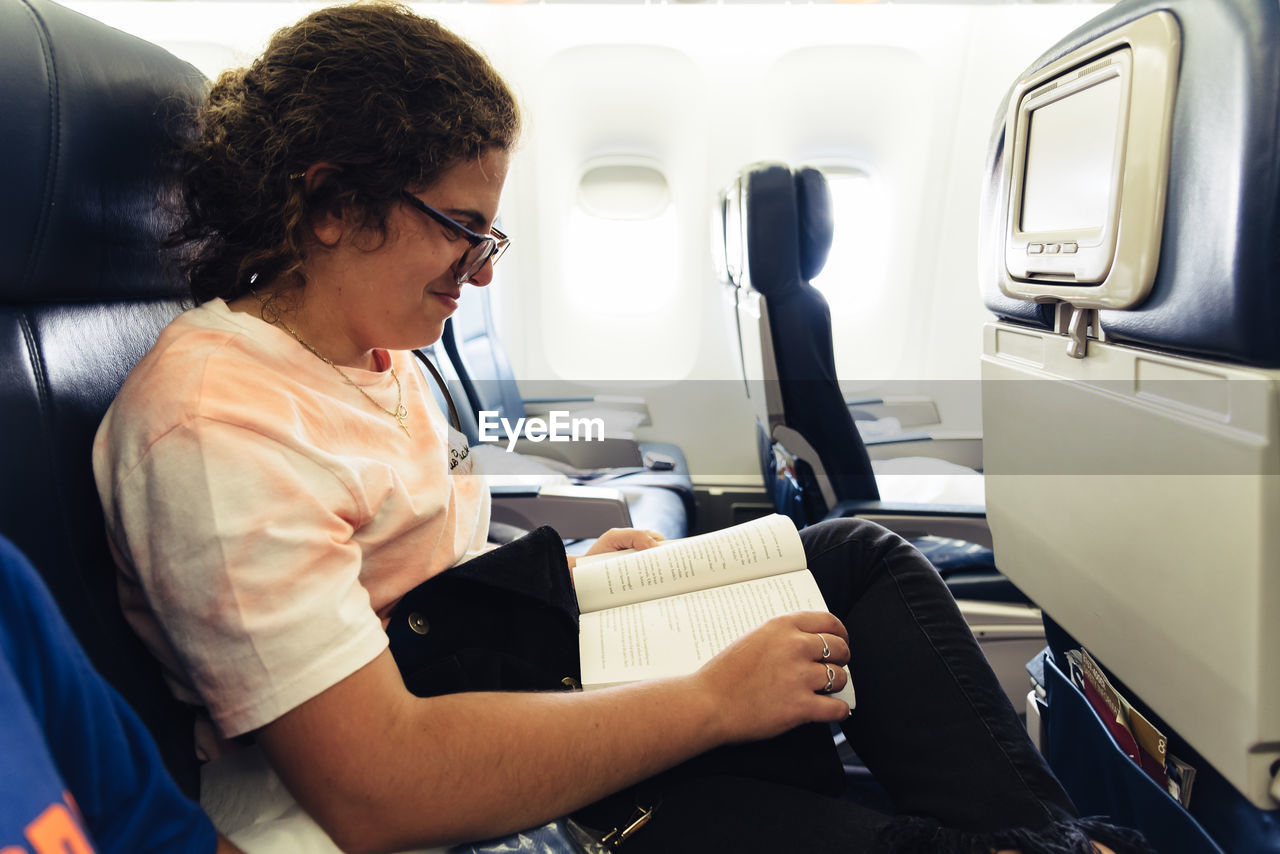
x=277 y=477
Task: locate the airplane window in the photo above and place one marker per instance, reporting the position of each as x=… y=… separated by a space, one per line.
x=622 y=279
x=860 y=287
x=618 y=266
x=855 y=266
x=623 y=221
x=624 y=191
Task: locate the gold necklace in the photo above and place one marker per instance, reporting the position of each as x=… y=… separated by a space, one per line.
x=400 y=413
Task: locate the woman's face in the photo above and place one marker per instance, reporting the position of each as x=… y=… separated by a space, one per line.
x=396 y=292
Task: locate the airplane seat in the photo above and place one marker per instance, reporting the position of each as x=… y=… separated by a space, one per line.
x=84 y=159
x=526 y=492
x=777 y=232
x=785 y=339
x=1133 y=197
x=780 y=221
x=471 y=343
x=475 y=346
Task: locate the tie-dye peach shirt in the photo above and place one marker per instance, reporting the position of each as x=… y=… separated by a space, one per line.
x=266 y=516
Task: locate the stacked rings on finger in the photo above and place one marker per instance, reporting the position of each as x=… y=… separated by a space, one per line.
x=826 y=650
x=831 y=678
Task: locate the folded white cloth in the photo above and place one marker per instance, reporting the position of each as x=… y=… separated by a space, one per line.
x=928 y=480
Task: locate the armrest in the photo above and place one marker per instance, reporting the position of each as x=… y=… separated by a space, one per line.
x=908 y=411
x=595 y=454
x=897 y=438
x=890 y=508
x=576 y=512
x=600 y=404
x=959 y=448
x=961 y=521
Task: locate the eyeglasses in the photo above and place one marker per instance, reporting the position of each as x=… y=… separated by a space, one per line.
x=483 y=249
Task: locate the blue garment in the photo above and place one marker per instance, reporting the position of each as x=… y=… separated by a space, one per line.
x=78 y=771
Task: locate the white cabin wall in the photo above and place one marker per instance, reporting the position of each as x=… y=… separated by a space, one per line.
x=907 y=93
x=1001 y=42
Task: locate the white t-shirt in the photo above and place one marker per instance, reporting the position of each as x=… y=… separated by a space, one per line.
x=266 y=516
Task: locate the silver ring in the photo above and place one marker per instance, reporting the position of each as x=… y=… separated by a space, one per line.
x=826 y=650
x=831 y=678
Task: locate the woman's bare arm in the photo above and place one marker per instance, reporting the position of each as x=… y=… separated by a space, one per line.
x=382 y=770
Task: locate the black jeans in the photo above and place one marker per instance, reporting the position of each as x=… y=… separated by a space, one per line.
x=931 y=723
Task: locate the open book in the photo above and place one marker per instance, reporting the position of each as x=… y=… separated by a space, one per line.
x=666 y=610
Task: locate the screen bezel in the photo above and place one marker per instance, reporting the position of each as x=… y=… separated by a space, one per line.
x=1089 y=264
x=1114 y=264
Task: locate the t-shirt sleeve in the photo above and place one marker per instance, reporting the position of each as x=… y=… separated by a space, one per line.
x=99 y=749
x=244 y=549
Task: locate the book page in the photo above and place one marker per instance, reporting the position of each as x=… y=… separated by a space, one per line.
x=754 y=549
x=677 y=634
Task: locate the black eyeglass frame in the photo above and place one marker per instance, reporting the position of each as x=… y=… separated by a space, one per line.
x=485 y=248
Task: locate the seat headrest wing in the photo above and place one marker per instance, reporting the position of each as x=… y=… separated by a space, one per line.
x=771 y=235
x=817 y=220
x=86 y=155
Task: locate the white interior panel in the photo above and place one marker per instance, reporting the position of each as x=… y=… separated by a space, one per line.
x=1177 y=598
x=618 y=101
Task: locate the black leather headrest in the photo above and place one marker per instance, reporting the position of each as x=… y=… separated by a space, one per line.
x=787 y=225
x=80 y=138
x=1217 y=288
x=817 y=223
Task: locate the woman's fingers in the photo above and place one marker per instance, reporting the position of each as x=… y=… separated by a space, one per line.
x=620 y=539
x=831 y=678
x=832 y=648
x=774 y=678
x=820 y=622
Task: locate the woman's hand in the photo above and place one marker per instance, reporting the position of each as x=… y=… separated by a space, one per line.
x=775 y=677
x=621 y=539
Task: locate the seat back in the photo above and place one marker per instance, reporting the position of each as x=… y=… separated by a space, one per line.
x=1130 y=449
x=482 y=372
x=85 y=159
x=472 y=344
x=780 y=222
x=453 y=392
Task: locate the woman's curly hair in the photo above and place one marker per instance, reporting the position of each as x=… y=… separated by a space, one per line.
x=392 y=98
